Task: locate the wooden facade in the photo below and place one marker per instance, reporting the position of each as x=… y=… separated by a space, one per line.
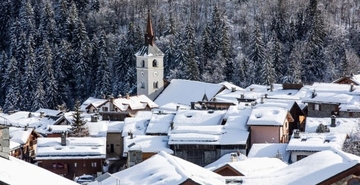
x=227 y=170
x=71 y=168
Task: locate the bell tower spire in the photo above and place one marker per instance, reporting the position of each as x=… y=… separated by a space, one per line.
x=149 y=34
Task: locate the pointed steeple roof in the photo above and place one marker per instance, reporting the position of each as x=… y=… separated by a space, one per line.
x=149 y=47
x=149 y=34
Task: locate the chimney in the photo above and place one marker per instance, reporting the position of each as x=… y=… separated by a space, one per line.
x=119 y=96
x=29 y=115
x=251 y=88
x=127 y=96
x=177 y=107
x=131 y=135
x=4 y=142
x=279 y=155
x=333 y=121
x=313 y=94
x=352 y=87
x=242 y=96
x=233 y=89
x=262 y=100
x=94 y=118
x=266 y=95
x=42 y=114
x=63 y=138
x=171 y=125
x=111 y=100
x=26 y=127
x=296 y=133
x=233 y=157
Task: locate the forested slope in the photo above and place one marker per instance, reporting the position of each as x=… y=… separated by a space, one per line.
x=56 y=51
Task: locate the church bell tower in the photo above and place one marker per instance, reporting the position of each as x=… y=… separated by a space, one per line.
x=149 y=65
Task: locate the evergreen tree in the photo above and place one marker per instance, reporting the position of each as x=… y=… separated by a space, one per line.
x=257 y=54
x=47 y=24
x=276 y=57
x=268 y=72
x=12 y=86
x=206 y=45
x=103 y=81
x=39 y=100
x=3 y=63
x=191 y=68
x=78 y=125
x=226 y=53
x=28 y=81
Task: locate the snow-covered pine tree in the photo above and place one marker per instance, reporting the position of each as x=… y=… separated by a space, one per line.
x=257 y=54
x=103 y=80
x=78 y=124
x=191 y=66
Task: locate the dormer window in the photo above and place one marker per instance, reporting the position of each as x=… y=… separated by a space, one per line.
x=154 y=63
x=143 y=63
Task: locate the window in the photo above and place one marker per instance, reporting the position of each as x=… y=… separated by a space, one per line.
x=93 y=164
x=154 y=63
x=54 y=165
x=143 y=63
x=84 y=165
x=299 y=157
x=105 y=109
x=75 y=165
x=351 y=114
x=155 y=85
x=316 y=107
x=142 y=85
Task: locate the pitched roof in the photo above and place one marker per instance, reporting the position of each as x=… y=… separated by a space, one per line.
x=146 y=143
x=268 y=116
x=164 y=169
x=18 y=172
x=313 y=169
x=75 y=148
x=269 y=150
x=343 y=125
x=316 y=142
x=248 y=166
x=187 y=91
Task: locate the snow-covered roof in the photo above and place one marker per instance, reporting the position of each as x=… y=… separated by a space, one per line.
x=19 y=135
x=57 y=128
x=146 y=143
x=231 y=86
x=149 y=50
x=173 y=107
x=208 y=135
x=239 y=122
x=198 y=117
x=316 y=142
x=22 y=119
x=160 y=123
x=137 y=126
x=144 y=114
x=249 y=166
x=115 y=126
x=49 y=112
x=334 y=88
x=187 y=91
x=313 y=169
x=269 y=150
x=75 y=148
x=97 y=129
x=282 y=103
x=325 y=97
x=268 y=116
x=14 y=145
x=134 y=102
x=343 y=125
x=94 y=101
x=164 y=169
x=18 y=172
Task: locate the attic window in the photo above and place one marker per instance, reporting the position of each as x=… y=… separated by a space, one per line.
x=303 y=139
x=143 y=63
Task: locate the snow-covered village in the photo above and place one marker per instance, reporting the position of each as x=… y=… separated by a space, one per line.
x=75 y=110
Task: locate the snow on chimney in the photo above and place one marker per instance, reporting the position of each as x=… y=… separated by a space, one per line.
x=333 y=121
x=352 y=88
x=63 y=138
x=233 y=157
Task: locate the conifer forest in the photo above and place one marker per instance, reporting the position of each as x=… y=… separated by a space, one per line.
x=59 y=51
